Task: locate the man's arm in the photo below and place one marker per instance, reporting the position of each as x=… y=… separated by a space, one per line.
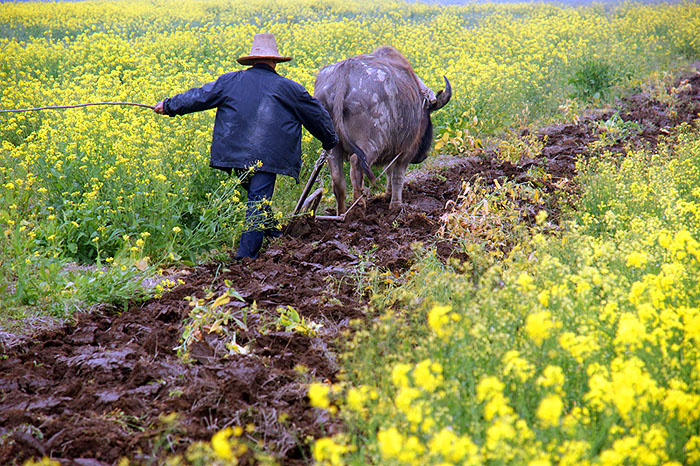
x=197 y=99
x=316 y=119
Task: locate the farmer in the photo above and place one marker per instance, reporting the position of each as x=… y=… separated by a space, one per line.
x=258 y=124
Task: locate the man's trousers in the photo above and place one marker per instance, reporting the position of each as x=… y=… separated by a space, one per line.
x=259 y=218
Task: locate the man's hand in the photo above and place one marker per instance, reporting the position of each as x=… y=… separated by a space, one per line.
x=159 y=108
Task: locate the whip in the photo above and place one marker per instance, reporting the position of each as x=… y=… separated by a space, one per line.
x=55 y=107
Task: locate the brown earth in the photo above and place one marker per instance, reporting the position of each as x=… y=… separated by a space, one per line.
x=96 y=391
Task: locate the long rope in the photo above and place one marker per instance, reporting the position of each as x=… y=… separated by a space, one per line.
x=55 y=107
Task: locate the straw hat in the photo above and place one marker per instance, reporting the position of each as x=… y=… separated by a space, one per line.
x=264 y=47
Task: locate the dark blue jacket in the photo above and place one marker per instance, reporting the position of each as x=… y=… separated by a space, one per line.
x=259 y=117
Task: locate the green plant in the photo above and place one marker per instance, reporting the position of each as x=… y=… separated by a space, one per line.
x=290 y=320
x=56 y=286
x=593 y=79
x=615 y=129
x=460 y=136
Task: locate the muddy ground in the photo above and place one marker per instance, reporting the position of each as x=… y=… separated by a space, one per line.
x=94 y=392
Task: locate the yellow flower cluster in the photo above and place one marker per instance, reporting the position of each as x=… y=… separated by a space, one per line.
x=441 y=320
x=221 y=443
x=329 y=451
x=582 y=349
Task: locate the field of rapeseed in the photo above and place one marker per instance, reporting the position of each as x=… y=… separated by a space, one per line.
x=125 y=189
x=581 y=349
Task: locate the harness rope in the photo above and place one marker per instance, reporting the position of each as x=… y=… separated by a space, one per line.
x=55 y=107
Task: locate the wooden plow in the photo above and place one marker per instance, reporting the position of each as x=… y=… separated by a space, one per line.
x=309 y=203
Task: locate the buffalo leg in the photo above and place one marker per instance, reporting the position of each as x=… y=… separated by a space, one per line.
x=356 y=178
x=387 y=192
x=335 y=163
x=396 y=174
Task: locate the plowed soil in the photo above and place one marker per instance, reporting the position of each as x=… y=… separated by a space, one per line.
x=93 y=392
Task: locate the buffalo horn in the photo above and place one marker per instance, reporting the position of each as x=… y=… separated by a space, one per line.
x=442 y=97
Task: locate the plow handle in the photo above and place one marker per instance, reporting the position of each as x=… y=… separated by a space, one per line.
x=310 y=182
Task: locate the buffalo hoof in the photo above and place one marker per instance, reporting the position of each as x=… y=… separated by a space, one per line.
x=397 y=210
x=396 y=206
x=360 y=205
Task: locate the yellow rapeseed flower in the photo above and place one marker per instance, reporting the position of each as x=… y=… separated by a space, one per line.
x=517 y=366
x=500 y=433
x=550 y=409
x=488 y=387
x=538 y=326
x=356 y=398
x=405 y=398
x=390 y=442
x=318 y=395
x=692 y=450
x=525 y=282
x=552 y=377
x=630 y=331
x=399 y=374
x=451 y=446
x=428 y=375
x=329 y=451
x=221 y=445
x=692 y=325
x=439 y=321
x=637 y=259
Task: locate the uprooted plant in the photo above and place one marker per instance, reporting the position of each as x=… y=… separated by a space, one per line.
x=211 y=315
x=291 y=321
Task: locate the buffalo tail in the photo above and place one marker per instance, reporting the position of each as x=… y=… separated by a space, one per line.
x=363 y=161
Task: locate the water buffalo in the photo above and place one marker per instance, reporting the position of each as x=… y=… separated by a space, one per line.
x=380 y=109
